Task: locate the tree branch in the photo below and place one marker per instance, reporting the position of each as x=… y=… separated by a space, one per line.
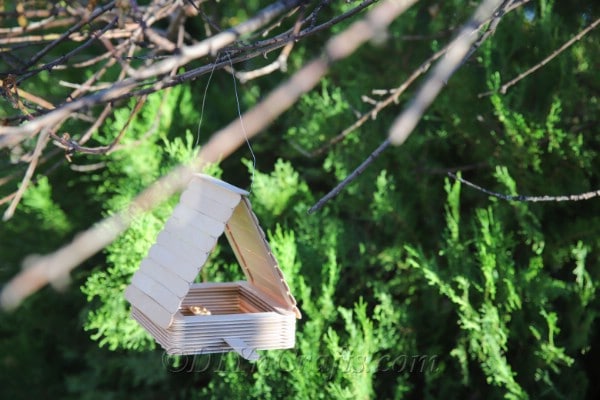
x=566 y=45
x=41 y=143
x=359 y=170
x=98 y=12
x=525 y=198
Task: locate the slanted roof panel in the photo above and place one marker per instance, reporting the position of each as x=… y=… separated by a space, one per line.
x=216 y=189
x=182 y=247
x=197 y=241
x=254 y=254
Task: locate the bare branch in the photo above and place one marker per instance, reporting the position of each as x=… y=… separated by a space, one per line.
x=380 y=105
x=71 y=146
x=41 y=143
x=98 y=12
x=504 y=88
x=394 y=94
x=359 y=170
x=49 y=66
x=280 y=63
x=218 y=41
x=525 y=198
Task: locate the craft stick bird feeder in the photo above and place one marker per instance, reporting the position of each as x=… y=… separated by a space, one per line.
x=198 y=318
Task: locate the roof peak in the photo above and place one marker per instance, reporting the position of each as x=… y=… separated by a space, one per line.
x=223 y=184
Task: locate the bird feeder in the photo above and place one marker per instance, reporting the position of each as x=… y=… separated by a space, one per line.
x=198 y=318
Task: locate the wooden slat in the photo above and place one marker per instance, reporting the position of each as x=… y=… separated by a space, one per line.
x=254 y=254
x=194 y=255
x=195 y=200
x=261 y=331
x=242 y=348
x=223 y=184
x=161 y=294
x=152 y=310
x=192 y=235
x=173 y=262
x=217 y=190
x=190 y=217
x=266 y=278
x=174 y=282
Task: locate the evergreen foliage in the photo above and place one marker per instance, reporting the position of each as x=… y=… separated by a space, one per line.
x=410 y=285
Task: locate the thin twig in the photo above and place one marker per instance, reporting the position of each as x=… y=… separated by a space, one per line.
x=359 y=170
x=99 y=121
x=525 y=198
x=280 y=63
x=504 y=88
x=88 y=167
x=41 y=143
x=50 y=22
x=98 y=12
x=546 y=60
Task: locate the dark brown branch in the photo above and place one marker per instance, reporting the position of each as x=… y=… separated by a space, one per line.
x=62 y=59
x=359 y=170
x=504 y=88
x=71 y=146
x=98 y=12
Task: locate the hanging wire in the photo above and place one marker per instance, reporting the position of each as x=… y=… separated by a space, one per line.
x=237 y=100
x=204 y=102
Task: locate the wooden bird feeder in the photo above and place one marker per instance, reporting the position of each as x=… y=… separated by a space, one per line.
x=198 y=318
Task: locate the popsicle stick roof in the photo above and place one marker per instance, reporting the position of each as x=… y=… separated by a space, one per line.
x=208 y=208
